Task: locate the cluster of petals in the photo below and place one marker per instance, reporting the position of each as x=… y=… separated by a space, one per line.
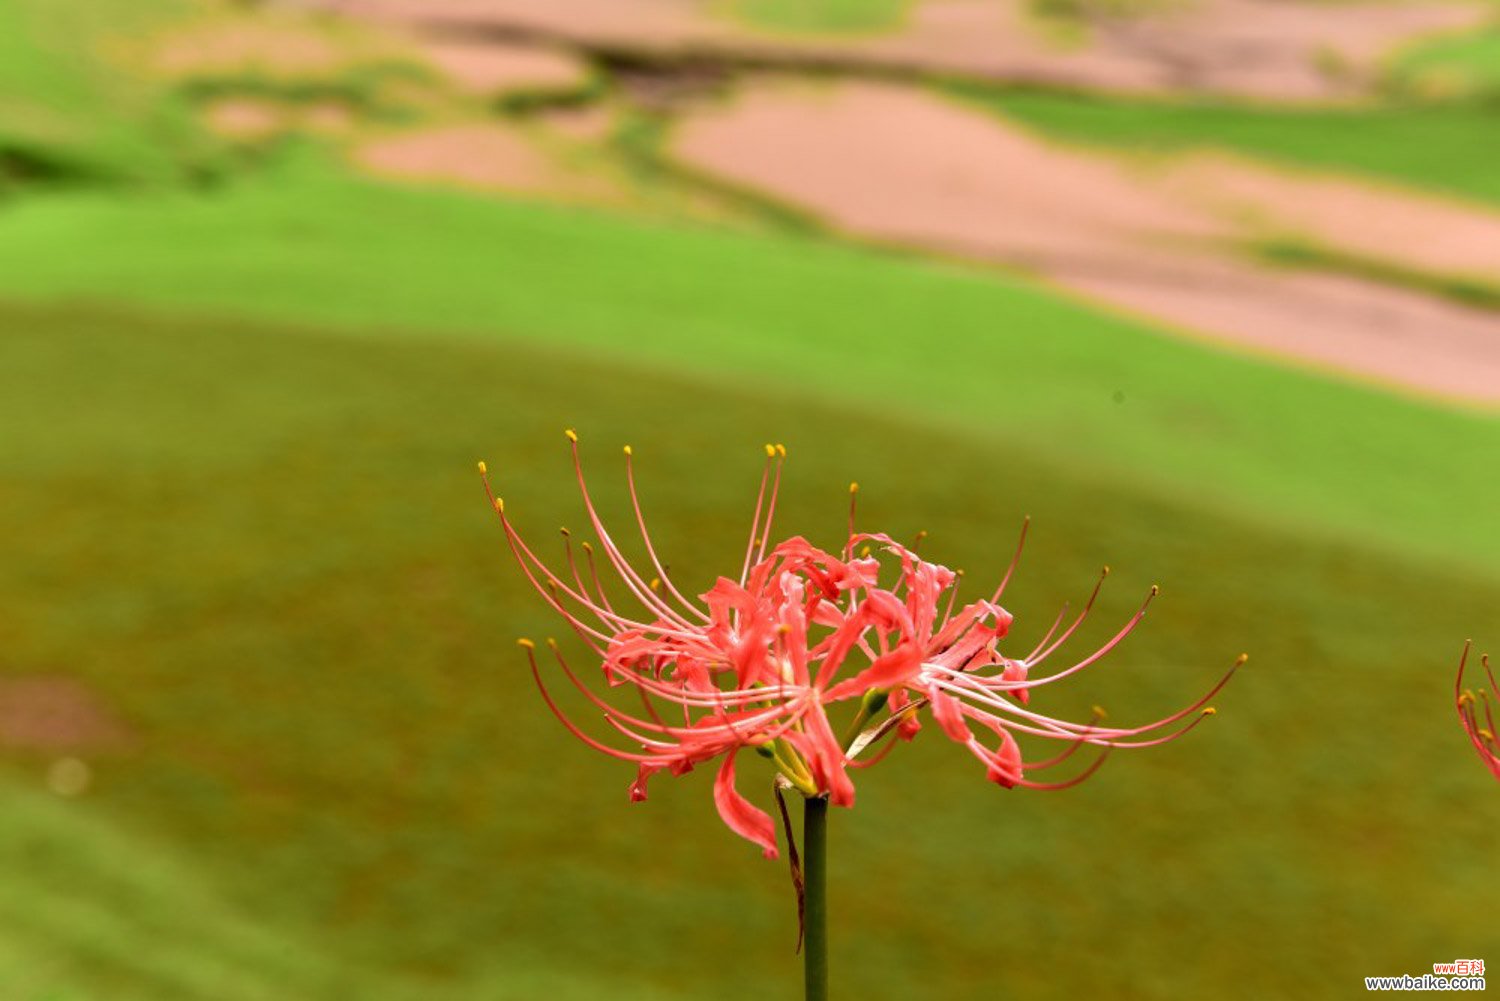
x=1475 y=714
x=759 y=660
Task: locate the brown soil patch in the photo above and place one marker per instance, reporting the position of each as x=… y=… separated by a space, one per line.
x=1421 y=232
x=495 y=69
x=901 y=166
x=589 y=124
x=1252 y=48
x=54 y=713
x=250 y=47
x=244 y=118
x=484 y=156
x=328 y=118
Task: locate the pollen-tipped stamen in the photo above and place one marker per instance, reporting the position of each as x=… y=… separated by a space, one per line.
x=1037 y=658
x=633 y=580
x=640 y=520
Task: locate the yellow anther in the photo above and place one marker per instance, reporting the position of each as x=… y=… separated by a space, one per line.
x=1105 y=571
x=1466 y=698
x=1240 y=660
x=1099 y=713
x=628 y=450
x=1155 y=590
x=588 y=547
x=656 y=583
x=572 y=435
x=1487 y=735
x=523 y=641
x=565 y=532
x=483 y=468
x=864 y=551
x=959 y=572
x=922 y=535
x=770 y=451
x=1484 y=660
x=781 y=450
x=552 y=642
x=500 y=504
x=1210 y=711
x=783 y=629
x=854 y=488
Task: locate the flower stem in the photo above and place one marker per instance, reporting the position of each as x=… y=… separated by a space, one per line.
x=815 y=872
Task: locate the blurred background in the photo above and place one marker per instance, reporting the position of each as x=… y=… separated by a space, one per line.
x=1209 y=288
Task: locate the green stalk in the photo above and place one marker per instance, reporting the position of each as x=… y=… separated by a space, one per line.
x=815 y=874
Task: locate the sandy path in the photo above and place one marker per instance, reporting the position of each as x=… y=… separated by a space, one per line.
x=1253 y=48
x=1422 y=232
x=489 y=69
x=899 y=165
x=485 y=156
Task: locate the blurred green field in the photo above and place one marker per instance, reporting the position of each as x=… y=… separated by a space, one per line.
x=69 y=114
x=1462 y=66
x=237 y=478
x=842 y=17
x=263 y=543
x=1447 y=147
x=1012 y=365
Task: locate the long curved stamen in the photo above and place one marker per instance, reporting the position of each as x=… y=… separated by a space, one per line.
x=695 y=699
x=633 y=580
x=1015 y=561
x=1046 y=637
x=765 y=532
x=571 y=726
x=1072 y=748
x=614 y=712
x=760 y=497
x=1067 y=634
x=528 y=559
x=588 y=555
x=960 y=685
x=958 y=579
x=640 y=519
x=1114 y=641
x=878 y=757
x=849 y=538
x=1093 y=767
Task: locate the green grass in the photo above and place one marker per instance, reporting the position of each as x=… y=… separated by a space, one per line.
x=1296 y=252
x=821 y=16
x=69 y=115
x=265 y=548
x=961 y=352
x=1444 y=147
x=1456 y=66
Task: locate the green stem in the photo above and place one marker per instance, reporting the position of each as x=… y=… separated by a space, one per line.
x=815 y=875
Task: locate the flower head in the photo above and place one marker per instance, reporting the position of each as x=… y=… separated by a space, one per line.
x=1475 y=715
x=765 y=659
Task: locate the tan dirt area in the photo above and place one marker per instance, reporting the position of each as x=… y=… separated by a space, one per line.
x=899 y=166
x=486 y=156
x=1269 y=49
x=56 y=713
x=484 y=69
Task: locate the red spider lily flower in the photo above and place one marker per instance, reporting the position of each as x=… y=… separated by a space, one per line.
x=759 y=660
x=1481 y=731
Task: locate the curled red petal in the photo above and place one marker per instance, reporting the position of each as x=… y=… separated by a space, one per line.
x=741 y=816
